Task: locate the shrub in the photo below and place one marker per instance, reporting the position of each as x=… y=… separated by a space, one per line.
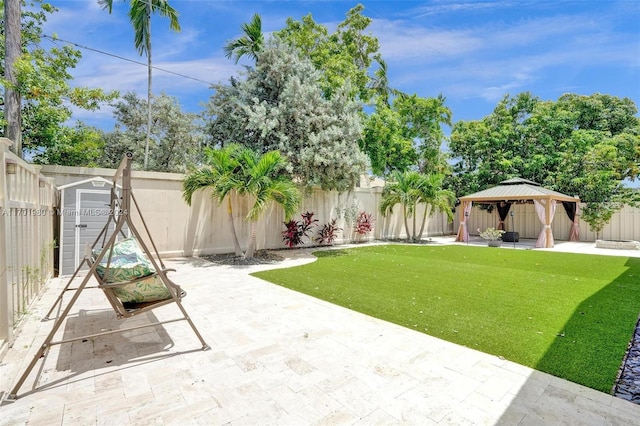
x=327 y=233
x=297 y=230
x=491 y=234
x=364 y=223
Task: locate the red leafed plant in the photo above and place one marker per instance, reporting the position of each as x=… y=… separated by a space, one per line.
x=364 y=223
x=292 y=236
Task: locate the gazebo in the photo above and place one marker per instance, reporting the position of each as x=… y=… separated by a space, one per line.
x=518 y=190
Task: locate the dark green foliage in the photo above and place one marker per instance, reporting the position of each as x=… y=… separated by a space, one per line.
x=578 y=145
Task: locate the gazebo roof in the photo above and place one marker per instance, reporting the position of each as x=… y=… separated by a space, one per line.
x=517 y=189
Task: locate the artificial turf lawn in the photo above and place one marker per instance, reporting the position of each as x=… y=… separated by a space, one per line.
x=571 y=315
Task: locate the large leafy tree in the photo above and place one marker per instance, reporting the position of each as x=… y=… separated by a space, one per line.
x=580 y=145
x=140 y=15
x=176 y=136
x=258 y=176
x=43 y=83
x=422 y=119
x=406 y=134
x=79 y=146
x=386 y=142
x=280 y=106
x=344 y=55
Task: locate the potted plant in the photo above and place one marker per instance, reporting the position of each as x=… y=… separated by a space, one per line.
x=493 y=236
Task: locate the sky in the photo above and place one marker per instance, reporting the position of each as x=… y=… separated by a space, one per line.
x=473 y=53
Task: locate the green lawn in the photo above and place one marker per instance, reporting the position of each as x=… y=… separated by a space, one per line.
x=570 y=315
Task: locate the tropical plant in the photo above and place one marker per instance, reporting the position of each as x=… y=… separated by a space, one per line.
x=250 y=44
x=364 y=223
x=296 y=230
x=436 y=199
x=220 y=176
x=240 y=170
x=411 y=188
x=328 y=232
x=491 y=234
x=140 y=15
x=261 y=178
x=12 y=49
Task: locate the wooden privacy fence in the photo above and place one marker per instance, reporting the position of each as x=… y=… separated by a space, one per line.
x=27 y=238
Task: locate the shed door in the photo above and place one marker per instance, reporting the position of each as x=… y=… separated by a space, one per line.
x=92 y=208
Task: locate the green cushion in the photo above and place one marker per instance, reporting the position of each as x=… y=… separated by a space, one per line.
x=128 y=262
x=147 y=290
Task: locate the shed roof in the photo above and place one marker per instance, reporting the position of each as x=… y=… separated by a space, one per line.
x=96 y=181
x=517 y=189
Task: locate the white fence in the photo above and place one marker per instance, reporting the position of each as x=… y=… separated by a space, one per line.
x=28 y=223
x=27 y=202
x=180 y=230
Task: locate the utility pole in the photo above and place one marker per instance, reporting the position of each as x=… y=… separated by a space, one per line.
x=13 y=50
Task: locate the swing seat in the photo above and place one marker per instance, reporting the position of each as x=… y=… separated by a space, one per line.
x=126 y=271
x=129 y=280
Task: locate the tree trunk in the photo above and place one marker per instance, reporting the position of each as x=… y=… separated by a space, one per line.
x=236 y=243
x=12 y=112
x=148 y=42
x=406 y=222
x=252 y=242
x=427 y=211
x=413 y=236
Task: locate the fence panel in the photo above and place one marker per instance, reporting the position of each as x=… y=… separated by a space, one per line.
x=27 y=217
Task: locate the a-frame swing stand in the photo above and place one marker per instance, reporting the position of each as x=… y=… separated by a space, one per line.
x=120 y=215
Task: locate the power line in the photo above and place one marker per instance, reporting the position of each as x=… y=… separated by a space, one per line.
x=54 y=39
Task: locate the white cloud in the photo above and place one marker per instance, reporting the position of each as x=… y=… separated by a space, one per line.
x=498 y=57
x=400 y=41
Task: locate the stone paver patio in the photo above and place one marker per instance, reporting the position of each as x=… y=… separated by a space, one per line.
x=277 y=358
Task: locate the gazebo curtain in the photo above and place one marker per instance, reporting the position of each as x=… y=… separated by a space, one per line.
x=503 y=211
x=463 y=232
x=545 y=209
x=573 y=211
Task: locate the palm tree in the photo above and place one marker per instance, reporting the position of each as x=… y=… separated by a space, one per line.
x=403 y=189
x=140 y=16
x=263 y=182
x=250 y=44
x=220 y=177
x=379 y=83
x=412 y=188
x=241 y=170
x=12 y=98
x=435 y=198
